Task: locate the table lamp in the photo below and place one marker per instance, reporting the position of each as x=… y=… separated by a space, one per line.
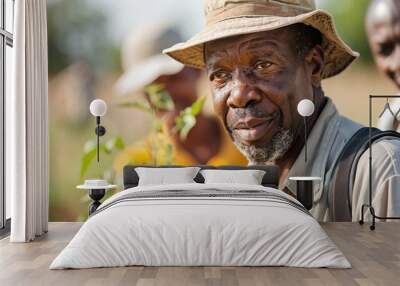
x=304 y=185
x=98 y=108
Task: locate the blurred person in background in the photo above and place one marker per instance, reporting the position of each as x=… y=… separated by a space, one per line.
x=144 y=65
x=383 y=31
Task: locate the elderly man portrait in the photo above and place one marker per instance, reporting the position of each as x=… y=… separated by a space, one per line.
x=262 y=58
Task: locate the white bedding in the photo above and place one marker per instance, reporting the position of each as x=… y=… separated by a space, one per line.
x=203 y=231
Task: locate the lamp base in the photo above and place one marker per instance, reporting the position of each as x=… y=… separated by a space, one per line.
x=305 y=193
x=304 y=190
x=96 y=195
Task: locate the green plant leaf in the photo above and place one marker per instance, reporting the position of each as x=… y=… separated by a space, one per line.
x=198 y=105
x=89 y=146
x=87 y=159
x=116 y=143
x=160 y=97
x=143 y=106
x=90 y=152
x=154 y=88
x=188 y=122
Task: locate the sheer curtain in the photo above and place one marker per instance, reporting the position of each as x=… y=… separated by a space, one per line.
x=27 y=124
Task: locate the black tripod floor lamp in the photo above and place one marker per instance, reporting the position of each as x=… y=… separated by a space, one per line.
x=369 y=205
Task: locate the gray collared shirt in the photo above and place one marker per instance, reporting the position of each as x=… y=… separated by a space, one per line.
x=325 y=142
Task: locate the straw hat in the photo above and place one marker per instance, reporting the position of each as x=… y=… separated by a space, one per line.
x=226 y=18
x=142 y=58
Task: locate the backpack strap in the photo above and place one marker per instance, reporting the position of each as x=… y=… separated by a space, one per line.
x=340 y=188
x=339 y=196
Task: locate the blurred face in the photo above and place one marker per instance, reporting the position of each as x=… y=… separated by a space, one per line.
x=383 y=28
x=257 y=81
x=182 y=87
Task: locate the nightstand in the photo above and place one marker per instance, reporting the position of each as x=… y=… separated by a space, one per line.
x=97 y=189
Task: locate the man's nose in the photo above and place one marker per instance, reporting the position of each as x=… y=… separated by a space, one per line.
x=243 y=93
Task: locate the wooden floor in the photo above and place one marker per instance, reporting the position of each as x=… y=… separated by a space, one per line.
x=375 y=257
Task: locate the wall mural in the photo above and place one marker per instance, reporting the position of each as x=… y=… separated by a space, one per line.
x=160 y=112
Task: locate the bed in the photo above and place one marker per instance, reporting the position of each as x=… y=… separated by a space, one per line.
x=201 y=223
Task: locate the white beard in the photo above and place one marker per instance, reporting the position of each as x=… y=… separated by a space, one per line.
x=279 y=145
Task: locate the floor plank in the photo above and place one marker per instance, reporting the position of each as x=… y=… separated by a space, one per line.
x=374 y=255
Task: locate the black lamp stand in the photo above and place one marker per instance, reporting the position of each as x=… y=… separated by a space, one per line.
x=369 y=205
x=305 y=138
x=96 y=195
x=305 y=193
x=100 y=131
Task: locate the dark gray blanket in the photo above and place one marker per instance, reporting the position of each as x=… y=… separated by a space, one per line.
x=205 y=194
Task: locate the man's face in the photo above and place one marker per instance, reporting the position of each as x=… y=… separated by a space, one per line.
x=383 y=28
x=257 y=81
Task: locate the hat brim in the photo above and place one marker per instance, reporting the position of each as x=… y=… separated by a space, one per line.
x=144 y=73
x=338 y=55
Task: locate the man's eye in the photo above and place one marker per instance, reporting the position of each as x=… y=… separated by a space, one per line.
x=386 y=49
x=263 y=65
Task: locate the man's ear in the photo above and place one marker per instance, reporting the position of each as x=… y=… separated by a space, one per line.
x=315 y=61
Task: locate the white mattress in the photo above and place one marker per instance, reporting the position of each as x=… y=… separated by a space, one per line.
x=200 y=231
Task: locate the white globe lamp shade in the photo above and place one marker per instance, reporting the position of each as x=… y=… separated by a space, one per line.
x=305 y=107
x=98 y=107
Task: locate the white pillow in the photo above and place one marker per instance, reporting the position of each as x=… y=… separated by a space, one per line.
x=163 y=176
x=248 y=177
